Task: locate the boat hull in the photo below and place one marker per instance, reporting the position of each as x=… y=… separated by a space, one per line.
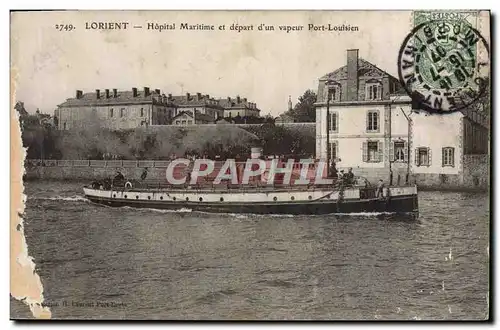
x=403 y=203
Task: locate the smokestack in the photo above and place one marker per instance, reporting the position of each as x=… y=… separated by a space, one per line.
x=198 y=96
x=352 y=74
x=106 y=92
x=134 y=91
x=238 y=99
x=79 y=94
x=157 y=91
x=115 y=92
x=146 y=91
x=98 y=93
x=229 y=99
x=188 y=96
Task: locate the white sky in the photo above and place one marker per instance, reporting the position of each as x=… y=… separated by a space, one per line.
x=266 y=67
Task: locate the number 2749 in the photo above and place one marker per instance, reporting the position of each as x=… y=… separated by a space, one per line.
x=64 y=27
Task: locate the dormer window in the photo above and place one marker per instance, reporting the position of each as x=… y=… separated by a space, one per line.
x=333 y=91
x=373 y=90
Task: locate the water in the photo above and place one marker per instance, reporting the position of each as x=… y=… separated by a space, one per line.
x=187 y=265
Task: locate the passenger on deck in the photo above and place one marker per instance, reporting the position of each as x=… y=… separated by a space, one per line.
x=119 y=176
x=349 y=177
x=144 y=174
x=332 y=171
x=380 y=188
x=118 y=179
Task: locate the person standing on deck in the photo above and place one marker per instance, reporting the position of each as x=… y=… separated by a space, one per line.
x=332 y=170
x=380 y=188
x=144 y=174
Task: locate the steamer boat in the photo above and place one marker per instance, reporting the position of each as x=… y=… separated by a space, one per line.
x=275 y=199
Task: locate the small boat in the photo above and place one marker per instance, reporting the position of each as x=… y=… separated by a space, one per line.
x=276 y=199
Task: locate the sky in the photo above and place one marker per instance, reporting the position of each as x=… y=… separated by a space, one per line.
x=48 y=65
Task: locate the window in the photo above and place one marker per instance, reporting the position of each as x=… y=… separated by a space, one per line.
x=142 y=112
x=423 y=156
x=333 y=121
x=183 y=122
x=111 y=113
x=190 y=122
x=177 y=122
x=373 y=91
x=448 y=157
x=64 y=126
x=372 y=121
x=122 y=111
x=399 y=152
x=372 y=152
x=334 y=150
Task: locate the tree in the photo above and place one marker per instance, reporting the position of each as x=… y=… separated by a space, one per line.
x=304 y=110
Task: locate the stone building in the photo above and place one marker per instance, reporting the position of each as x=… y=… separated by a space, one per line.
x=187 y=118
x=238 y=106
x=203 y=104
x=374 y=128
x=115 y=109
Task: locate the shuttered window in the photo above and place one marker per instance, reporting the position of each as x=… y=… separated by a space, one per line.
x=373 y=152
x=448 y=157
x=334 y=150
x=333 y=121
x=399 y=151
x=423 y=156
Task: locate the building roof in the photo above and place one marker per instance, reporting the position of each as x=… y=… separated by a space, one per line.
x=232 y=103
x=363 y=67
x=122 y=97
x=285 y=118
x=199 y=116
x=196 y=100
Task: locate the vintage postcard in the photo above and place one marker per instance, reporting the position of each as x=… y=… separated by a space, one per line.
x=250 y=165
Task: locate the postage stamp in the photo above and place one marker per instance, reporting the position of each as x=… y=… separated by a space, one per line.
x=444 y=62
x=250 y=165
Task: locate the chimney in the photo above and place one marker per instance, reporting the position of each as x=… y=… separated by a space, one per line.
x=238 y=100
x=134 y=92
x=98 y=93
x=244 y=100
x=198 y=96
x=106 y=91
x=146 y=91
x=207 y=96
x=169 y=96
x=229 y=99
x=79 y=94
x=188 y=96
x=352 y=75
x=115 y=92
x=157 y=91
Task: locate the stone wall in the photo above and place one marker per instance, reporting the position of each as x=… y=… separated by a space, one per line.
x=476 y=171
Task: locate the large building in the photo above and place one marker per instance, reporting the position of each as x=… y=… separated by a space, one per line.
x=203 y=104
x=237 y=106
x=185 y=118
x=115 y=109
x=374 y=129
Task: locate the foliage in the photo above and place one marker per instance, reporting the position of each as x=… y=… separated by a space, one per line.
x=304 y=111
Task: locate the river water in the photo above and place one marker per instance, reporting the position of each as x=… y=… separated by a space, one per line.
x=112 y=263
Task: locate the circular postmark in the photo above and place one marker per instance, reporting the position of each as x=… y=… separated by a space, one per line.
x=444 y=65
